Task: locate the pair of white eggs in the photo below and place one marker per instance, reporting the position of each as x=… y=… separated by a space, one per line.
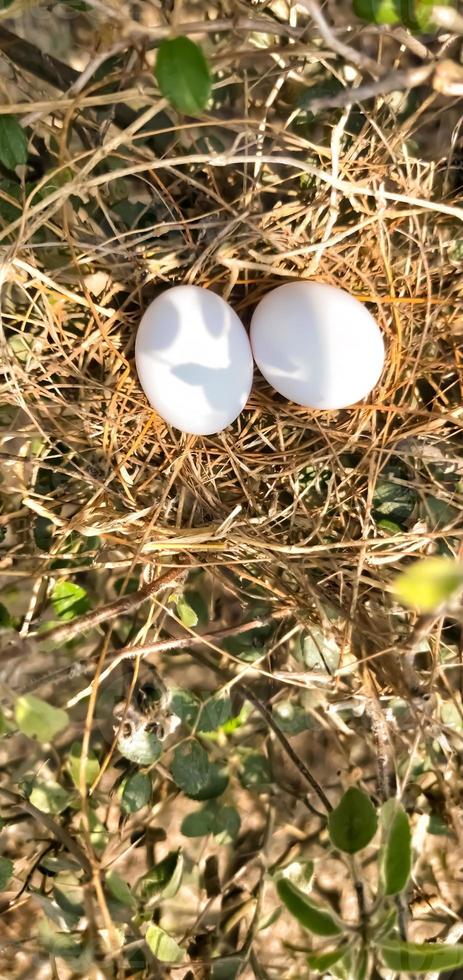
x=314 y=343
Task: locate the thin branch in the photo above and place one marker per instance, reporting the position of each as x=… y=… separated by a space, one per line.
x=272 y=724
x=55 y=828
x=361 y=61
x=119 y=607
x=395 y=82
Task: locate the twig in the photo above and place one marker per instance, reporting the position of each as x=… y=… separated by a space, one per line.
x=394 y=82
x=119 y=607
x=177 y=643
x=52 y=71
x=362 y=61
x=267 y=715
x=55 y=828
x=298 y=762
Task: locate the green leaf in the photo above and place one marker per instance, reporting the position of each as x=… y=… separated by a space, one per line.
x=312 y=917
x=397 y=855
x=322 y=961
x=255 y=772
x=49 y=797
x=226 y=969
x=38 y=719
x=214 y=713
x=392 y=499
x=6 y=870
x=221 y=821
x=4 y=726
x=300 y=873
x=420 y=958
x=69 y=600
x=119 y=889
x=428 y=584
x=68 y=896
x=92 y=766
x=418 y=14
x=353 y=823
x=186 y=614
x=190 y=767
x=185 y=705
x=141 y=747
x=291 y=717
x=163 y=946
x=183 y=75
x=99 y=836
x=320 y=651
x=13 y=143
x=196 y=824
x=77 y=954
x=378 y=11
x=161 y=880
x=136 y=792
x=6 y=620
x=196 y=602
x=216 y=784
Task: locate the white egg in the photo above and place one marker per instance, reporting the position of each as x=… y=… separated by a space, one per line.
x=194 y=360
x=317 y=345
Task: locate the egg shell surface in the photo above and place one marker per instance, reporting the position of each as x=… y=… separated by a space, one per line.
x=194 y=360
x=317 y=345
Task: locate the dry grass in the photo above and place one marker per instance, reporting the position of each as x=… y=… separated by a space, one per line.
x=286 y=499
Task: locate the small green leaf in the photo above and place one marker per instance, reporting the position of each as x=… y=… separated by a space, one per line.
x=196 y=824
x=183 y=75
x=397 y=855
x=393 y=499
x=420 y=958
x=161 y=880
x=291 y=717
x=185 y=705
x=216 y=784
x=99 y=836
x=38 y=719
x=226 y=968
x=353 y=823
x=69 y=600
x=322 y=961
x=214 y=713
x=255 y=773
x=378 y=11
x=49 y=797
x=6 y=870
x=428 y=584
x=136 y=792
x=300 y=873
x=4 y=726
x=312 y=917
x=13 y=143
x=6 y=620
x=186 y=614
x=320 y=651
x=190 y=767
x=119 y=889
x=141 y=747
x=163 y=946
x=197 y=603
x=77 y=954
x=221 y=821
x=92 y=766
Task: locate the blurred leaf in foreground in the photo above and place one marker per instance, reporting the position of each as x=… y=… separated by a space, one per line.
x=428 y=584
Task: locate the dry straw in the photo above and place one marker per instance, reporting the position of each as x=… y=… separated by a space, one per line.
x=255 y=194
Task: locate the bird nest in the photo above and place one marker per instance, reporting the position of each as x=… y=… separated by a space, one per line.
x=318 y=508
